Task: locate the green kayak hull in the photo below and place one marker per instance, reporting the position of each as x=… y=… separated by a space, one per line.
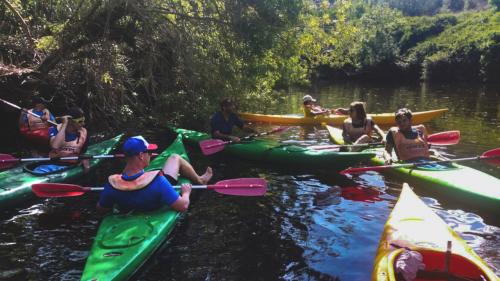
x=292 y=156
x=15 y=183
x=462 y=184
x=125 y=241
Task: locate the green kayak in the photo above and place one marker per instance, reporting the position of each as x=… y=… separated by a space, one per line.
x=15 y=183
x=125 y=241
x=293 y=156
x=463 y=184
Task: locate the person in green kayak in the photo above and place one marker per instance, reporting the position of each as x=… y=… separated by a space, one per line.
x=67 y=139
x=223 y=121
x=135 y=189
x=311 y=109
x=358 y=128
x=409 y=142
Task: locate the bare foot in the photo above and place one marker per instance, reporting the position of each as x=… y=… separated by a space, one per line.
x=205 y=178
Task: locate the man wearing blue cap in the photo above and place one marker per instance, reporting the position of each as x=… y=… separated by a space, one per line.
x=137 y=190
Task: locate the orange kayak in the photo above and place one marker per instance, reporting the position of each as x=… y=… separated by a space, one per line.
x=337 y=120
x=414 y=225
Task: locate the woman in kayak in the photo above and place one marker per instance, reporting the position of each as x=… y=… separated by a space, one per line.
x=223 y=121
x=312 y=110
x=135 y=189
x=358 y=128
x=67 y=139
x=409 y=142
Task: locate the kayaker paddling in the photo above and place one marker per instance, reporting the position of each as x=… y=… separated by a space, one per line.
x=223 y=121
x=409 y=142
x=67 y=139
x=33 y=123
x=311 y=109
x=135 y=189
x=358 y=128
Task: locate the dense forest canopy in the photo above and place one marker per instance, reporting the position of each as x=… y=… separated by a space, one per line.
x=171 y=61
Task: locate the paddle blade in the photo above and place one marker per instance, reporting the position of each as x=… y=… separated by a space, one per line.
x=209 y=147
x=7 y=161
x=363 y=194
x=53 y=190
x=492 y=156
x=444 y=138
x=241 y=187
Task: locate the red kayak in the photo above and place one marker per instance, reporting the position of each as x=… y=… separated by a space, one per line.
x=38 y=137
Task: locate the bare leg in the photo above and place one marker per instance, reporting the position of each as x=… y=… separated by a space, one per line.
x=361 y=140
x=176 y=165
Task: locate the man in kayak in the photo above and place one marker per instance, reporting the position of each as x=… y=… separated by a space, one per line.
x=312 y=110
x=33 y=123
x=358 y=128
x=409 y=142
x=223 y=121
x=137 y=190
x=67 y=139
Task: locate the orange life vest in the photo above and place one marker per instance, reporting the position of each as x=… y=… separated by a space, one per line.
x=354 y=133
x=36 y=123
x=410 y=148
x=70 y=148
x=142 y=181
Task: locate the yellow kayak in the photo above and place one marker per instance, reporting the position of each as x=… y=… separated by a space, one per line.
x=380 y=119
x=414 y=225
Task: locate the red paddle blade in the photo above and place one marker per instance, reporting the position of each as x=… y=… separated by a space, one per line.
x=492 y=156
x=209 y=147
x=444 y=138
x=241 y=187
x=7 y=161
x=363 y=194
x=56 y=190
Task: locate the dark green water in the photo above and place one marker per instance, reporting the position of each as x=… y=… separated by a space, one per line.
x=303 y=229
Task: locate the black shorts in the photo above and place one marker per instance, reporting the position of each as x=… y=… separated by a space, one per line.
x=170 y=179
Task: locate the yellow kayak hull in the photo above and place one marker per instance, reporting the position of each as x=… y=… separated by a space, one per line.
x=414 y=225
x=337 y=120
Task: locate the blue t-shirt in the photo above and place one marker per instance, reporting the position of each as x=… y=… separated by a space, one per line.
x=219 y=123
x=155 y=195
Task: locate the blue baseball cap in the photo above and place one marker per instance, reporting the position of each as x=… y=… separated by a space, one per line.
x=136 y=145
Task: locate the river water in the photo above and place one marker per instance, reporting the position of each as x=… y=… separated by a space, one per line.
x=304 y=228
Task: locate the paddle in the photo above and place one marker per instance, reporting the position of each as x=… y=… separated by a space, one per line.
x=26 y=111
x=211 y=146
x=442 y=138
x=7 y=161
x=238 y=187
x=490 y=156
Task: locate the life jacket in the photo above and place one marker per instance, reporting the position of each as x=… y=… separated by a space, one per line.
x=354 y=133
x=141 y=182
x=410 y=148
x=35 y=123
x=70 y=148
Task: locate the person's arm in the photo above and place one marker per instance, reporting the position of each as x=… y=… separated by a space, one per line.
x=345 y=134
x=318 y=110
x=58 y=140
x=182 y=202
x=389 y=146
x=85 y=162
x=23 y=118
x=379 y=131
x=341 y=111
